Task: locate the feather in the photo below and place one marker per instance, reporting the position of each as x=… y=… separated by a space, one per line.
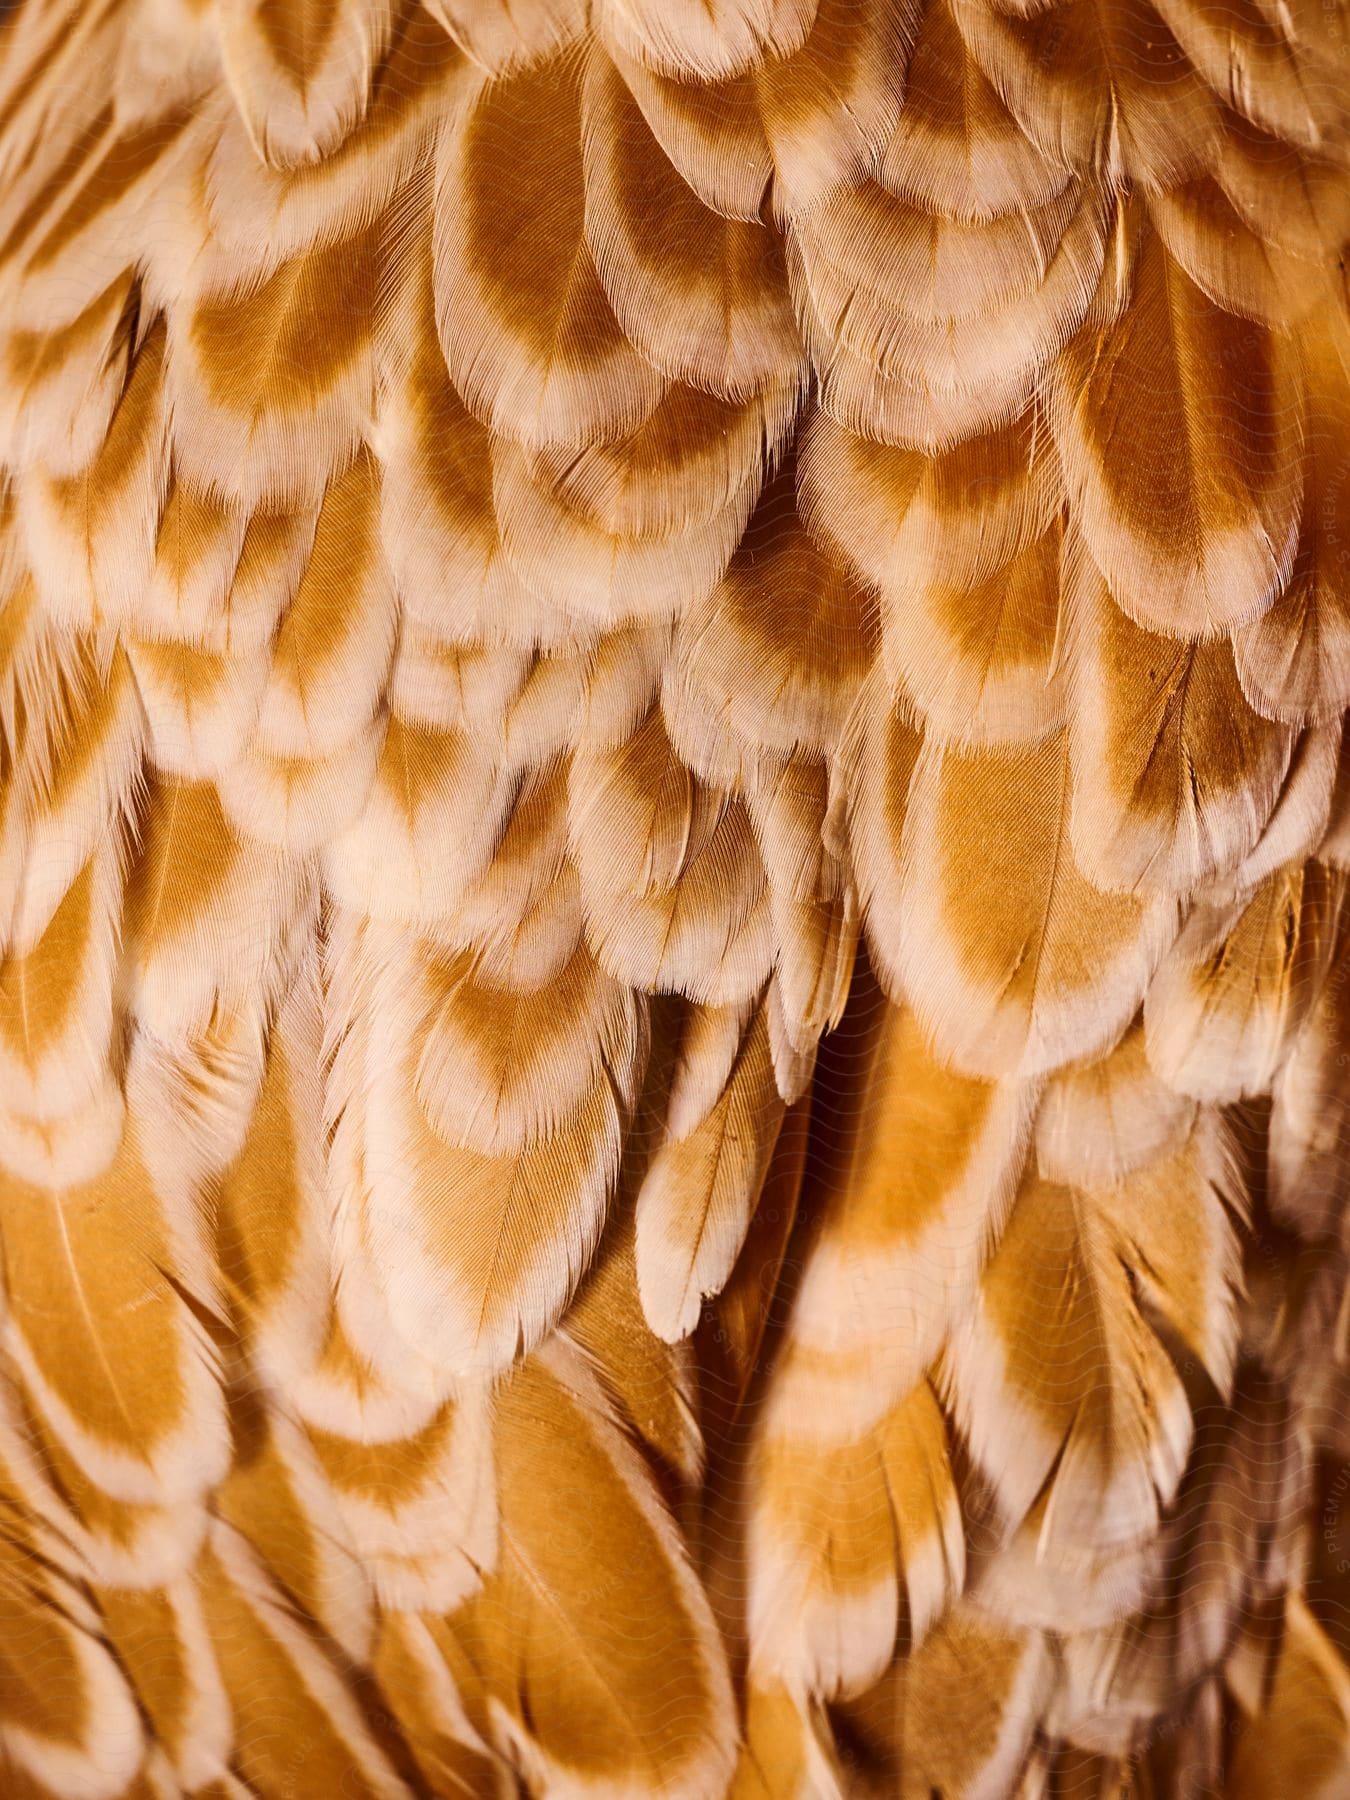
x=108 y=1348
x=56 y=998
x=900 y=1247
x=1174 y=775
x=684 y=39
x=793 y=128
x=102 y=1540
x=1287 y=195
x=1178 y=428
x=340 y=1392
x=964 y=548
x=301 y=72
x=500 y=1069
x=713 y=132
x=74 y=780
x=523 y=916
x=703 y=298
x=654 y=1385
x=67 y=1720
x=1231 y=1541
x=64 y=236
x=420 y=1511
x=278 y=1496
x=787 y=1753
x=281 y=1687
x=69 y=1150
x=907 y=519
x=199 y=546
x=427 y=826
x=200 y=708
x=830 y=107
x=90 y=535
x=811 y=900
x=40 y=42
x=271 y=1239
x=927 y=330
x=469 y=1252
x=423 y=1672
x=1010 y=958
x=606 y=577
x=558 y=369
x=1225 y=1005
x=194 y=877
x=295 y=803
x=1302 y=1726
x=592 y=694
x=469 y=688
x=330 y=657
x=1028 y=1581
x=959 y=1716
x=192 y=1093
x=1099 y=85
x=706 y=1046
x=1311 y=1107
x=1297 y=828
x=172 y=55
x=266 y=212
x=772 y=657
x=60 y=388
x=672 y=883
x=838 y=1536
x=872 y=781
x=957 y=151
x=1083 y=1394
x=1335 y=845
x=1261 y=68
x=1294 y=660
x=697 y=1196
x=249 y=422
x=160 y=1638
x=645 y=1703
x=438 y=525
x=499 y=33
x=1238 y=269
x=741 y=1318
x=1100 y=1121
x=683 y=466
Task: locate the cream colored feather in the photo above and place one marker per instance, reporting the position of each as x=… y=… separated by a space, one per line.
x=674 y=817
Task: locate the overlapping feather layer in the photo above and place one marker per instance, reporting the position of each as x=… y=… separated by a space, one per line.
x=551 y=553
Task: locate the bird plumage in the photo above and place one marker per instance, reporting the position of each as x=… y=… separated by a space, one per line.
x=673 y=948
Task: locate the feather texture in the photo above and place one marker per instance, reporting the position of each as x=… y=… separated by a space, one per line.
x=673 y=956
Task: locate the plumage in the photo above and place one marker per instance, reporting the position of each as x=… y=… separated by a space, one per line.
x=917 y=353
x=965 y=551
x=1100 y=1119
x=1100 y=1411
x=694 y=1206
x=674 y=817
x=648 y=1692
x=1004 y=945
x=558 y=369
x=768 y=662
x=840 y=1535
x=1233 y=992
x=236 y=414
x=301 y=75
x=113 y=1358
x=90 y=534
x=1174 y=775
x=1186 y=479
